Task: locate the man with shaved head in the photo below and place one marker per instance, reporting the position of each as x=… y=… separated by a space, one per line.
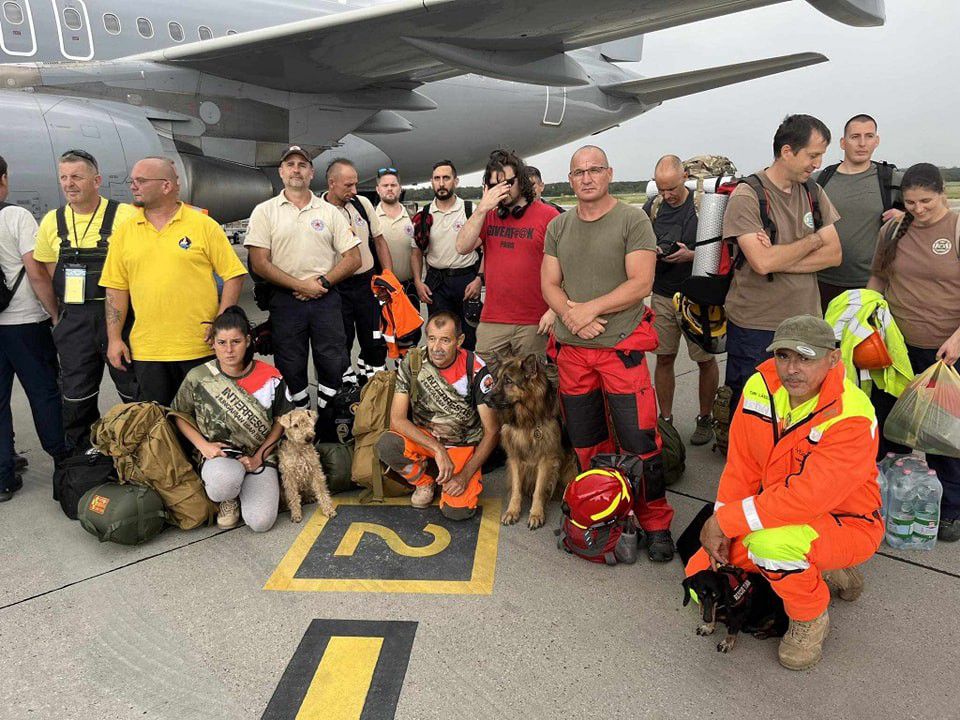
x=598 y=266
x=674 y=219
x=162 y=263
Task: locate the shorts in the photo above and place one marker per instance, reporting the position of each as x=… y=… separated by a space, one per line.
x=668 y=330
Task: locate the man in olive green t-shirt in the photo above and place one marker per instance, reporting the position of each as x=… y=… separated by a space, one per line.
x=598 y=266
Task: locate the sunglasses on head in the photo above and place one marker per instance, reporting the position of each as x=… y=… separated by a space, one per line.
x=387 y=171
x=508 y=181
x=81 y=154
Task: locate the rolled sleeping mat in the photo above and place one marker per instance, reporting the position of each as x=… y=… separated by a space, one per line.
x=706 y=256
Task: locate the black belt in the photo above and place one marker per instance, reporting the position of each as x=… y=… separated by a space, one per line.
x=455 y=272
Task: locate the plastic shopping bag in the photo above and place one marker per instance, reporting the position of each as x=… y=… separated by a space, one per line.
x=926 y=416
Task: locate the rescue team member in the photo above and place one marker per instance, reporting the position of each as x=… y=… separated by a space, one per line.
x=72 y=242
x=397 y=229
x=917 y=268
x=778 y=280
x=798 y=499
x=304 y=248
x=509 y=225
x=451 y=278
x=26 y=346
x=162 y=263
x=446 y=434
x=674 y=219
x=598 y=266
x=229 y=409
x=538 y=186
x=361 y=311
x=858 y=187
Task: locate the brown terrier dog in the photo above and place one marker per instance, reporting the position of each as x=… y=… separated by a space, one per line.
x=301 y=476
x=530 y=434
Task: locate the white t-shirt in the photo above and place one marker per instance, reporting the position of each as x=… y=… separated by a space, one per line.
x=18 y=232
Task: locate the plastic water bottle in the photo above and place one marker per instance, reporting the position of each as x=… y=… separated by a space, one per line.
x=884 y=489
x=927 y=493
x=900 y=515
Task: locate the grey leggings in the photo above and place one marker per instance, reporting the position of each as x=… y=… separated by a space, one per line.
x=259 y=492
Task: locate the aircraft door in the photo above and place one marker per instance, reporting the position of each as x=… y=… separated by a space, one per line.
x=556 y=106
x=73 y=29
x=17 y=36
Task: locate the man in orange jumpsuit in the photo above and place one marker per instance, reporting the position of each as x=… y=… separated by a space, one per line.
x=798 y=499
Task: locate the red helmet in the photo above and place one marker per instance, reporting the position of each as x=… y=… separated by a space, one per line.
x=597 y=497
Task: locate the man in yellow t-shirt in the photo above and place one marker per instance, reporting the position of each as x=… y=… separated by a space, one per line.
x=72 y=243
x=162 y=263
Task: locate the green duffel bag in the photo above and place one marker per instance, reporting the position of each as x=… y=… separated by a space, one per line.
x=336 y=459
x=124 y=514
x=674 y=453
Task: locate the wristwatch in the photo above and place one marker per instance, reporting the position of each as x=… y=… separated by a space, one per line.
x=326 y=283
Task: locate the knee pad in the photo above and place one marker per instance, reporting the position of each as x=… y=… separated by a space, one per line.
x=585 y=418
x=625 y=414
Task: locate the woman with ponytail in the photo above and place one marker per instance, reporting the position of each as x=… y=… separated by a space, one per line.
x=917 y=268
x=228 y=408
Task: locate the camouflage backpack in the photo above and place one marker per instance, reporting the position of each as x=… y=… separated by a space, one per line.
x=699 y=168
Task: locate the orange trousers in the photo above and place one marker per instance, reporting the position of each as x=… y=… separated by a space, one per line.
x=420 y=471
x=838 y=543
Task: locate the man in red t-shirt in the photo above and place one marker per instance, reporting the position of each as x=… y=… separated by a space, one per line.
x=509 y=224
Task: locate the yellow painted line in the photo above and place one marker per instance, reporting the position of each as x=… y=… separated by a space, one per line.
x=339 y=688
x=481 y=580
x=354 y=534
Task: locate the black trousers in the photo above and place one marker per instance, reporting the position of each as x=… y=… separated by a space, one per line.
x=81 y=340
x=448 y=295
x=302 y=326
x=361 y=320
x=159 y=380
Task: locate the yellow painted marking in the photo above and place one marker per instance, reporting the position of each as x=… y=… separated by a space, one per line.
x=353 y=535
x=480 y=583
x=339 y=688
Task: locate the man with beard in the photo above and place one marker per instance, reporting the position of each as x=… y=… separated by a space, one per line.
x=451 y=278
x=303 y=247
x=167 y=253
x=397 y=228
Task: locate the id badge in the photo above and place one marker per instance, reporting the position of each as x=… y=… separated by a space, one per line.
x=75 y=284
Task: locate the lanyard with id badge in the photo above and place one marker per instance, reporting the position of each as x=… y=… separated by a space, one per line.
x=77 y=277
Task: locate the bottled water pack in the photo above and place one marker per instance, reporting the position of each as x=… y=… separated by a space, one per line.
x=911 y=496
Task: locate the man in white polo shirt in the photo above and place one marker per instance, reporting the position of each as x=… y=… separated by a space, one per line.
x=303 y=247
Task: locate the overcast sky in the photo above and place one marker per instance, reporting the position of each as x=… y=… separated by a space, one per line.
x=904 y=74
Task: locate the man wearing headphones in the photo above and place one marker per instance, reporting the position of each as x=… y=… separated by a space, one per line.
x=510 y=224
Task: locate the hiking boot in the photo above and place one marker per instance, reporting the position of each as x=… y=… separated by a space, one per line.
x=454 y=513
x=704 y=432
x=627 y=547
x=660 y=545
x=802 y=647
x=949 y=530
x=228 y=516
x=422 y=496
x=847 y=583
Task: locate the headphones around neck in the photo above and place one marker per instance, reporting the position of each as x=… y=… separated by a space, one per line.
x=516 y=211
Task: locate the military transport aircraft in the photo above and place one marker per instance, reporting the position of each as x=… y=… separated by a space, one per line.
x=222 y=86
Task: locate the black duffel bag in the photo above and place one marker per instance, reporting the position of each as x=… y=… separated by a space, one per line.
x=76 y=475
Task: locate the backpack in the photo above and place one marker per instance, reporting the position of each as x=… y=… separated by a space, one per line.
x=889 y=193
x=597 y=506
x=7 y=293
x=74 y=476
x=124 y=514
x=423 y=221
x=344 y=408
x=336 y=459
x=673 y=452
x=362 y=212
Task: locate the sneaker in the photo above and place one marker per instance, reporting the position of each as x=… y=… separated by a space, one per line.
x=660 y=546
x=704 y=432
x=802 y=647
x=949 y=530
x=422 y=496
x=228 y=516
x=627 y=547
x=847 y=583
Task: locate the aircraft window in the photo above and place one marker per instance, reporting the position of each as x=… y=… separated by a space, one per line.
x=72 y=19
x=13 y=13
x=176 y=31
x=231 y=32
x=144 y=27
x=205 y=33
x=111 y=23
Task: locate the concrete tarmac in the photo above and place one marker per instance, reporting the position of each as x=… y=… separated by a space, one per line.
x=182 y=627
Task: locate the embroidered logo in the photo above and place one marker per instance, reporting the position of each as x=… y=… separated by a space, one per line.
x=942 y=246
x=185 y=243
x=317 y=224
x=458 y=225
x=98 y=504
x=408 y=229
x=806 y=350
x=808 y=220
x=486 y=384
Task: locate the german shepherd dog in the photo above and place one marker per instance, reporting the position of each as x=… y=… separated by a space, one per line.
x=531 y=436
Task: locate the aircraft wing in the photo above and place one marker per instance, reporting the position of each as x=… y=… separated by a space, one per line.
x=402 y=44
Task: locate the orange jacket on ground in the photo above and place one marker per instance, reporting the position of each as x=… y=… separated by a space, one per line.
x=792 y=467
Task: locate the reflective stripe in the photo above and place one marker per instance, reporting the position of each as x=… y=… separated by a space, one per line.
x=756 y=406
x=717 y=505
x=324 y=390
x=774 y=565
x=321 y=402
x=815 y=434
x=859 y=330
x=68 y=399
x=750 y=513
x=302 y=395
x=376 y=335
x=389 y=338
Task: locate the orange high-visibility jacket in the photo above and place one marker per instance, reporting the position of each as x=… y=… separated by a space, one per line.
x=399 y=320
x=791 y=467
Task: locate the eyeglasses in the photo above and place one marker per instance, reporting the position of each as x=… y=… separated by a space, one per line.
x=141 y=181
x=508 y=181
x=83 y=154
x=387 y=171
x=594 y=171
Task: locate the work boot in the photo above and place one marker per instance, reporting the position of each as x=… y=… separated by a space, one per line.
x=802 y=647
x=660 y=545
x=228 y=516
x=847 y=583
x=627 y=547
x=704 y=432
x=949 y=530
x=422 y=496
x=6 y=495
x=20 y=462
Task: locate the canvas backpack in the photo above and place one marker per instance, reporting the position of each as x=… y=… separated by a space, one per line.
x=673 y=452
x=700 y=167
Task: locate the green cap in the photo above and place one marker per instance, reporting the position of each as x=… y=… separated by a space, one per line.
x=805 y=334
